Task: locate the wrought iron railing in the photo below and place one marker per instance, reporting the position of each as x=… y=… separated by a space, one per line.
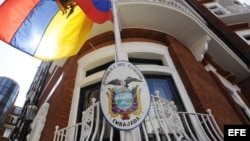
x=163 y=122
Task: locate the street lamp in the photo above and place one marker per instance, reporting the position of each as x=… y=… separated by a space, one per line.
x=31 y=112
x=29 y=116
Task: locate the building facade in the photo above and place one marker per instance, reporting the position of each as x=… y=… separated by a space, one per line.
x=193 y=54
x=22 y=126
x=9 y=90
x=10 y=122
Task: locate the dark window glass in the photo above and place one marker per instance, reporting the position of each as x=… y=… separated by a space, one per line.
x=247 y=37
x=166 y=86
x=17 y=111
x=4 y=90
x=4 y=80
x=1 y=87
x=213 y=7
x=8 y=83
x=1 y=97
x=138 y=61
x=86 y=95
x=99 y=68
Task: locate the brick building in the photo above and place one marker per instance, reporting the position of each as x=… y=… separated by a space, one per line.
x=9 y=123
x=194 y=53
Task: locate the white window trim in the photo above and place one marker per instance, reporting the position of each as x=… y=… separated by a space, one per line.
x=106 y=54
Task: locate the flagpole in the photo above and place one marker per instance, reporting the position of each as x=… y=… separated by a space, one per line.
x=118 y=49
x=124 y=135
x=117 y=35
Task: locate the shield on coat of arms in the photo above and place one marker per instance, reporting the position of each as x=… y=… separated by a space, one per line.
x=123 y=99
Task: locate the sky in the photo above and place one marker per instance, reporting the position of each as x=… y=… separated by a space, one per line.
x=245 y=1
x=22 y=67
x=18 y=66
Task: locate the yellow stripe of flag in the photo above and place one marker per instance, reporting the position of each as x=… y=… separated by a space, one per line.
x=64 y=35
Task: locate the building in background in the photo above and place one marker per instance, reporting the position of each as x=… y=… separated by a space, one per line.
x=194 y=54
x=10 y=122
x=22 y=126
x=9 y=90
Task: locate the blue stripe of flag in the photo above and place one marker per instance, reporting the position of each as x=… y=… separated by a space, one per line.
x=102 y=5
x=31 y=31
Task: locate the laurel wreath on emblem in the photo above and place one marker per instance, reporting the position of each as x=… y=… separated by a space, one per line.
x=122 y=100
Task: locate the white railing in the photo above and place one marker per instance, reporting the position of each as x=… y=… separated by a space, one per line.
x=237 y=9
x=220 y=11
x=171 y=3
x=231 y=10
x=163 y=122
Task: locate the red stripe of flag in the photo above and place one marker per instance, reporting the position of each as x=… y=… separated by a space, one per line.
x=12 y=15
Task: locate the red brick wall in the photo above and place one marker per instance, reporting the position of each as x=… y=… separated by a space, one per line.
x=245 y=90
x=50 y=81
x=4 y=139
x=204 y=88
x=60 y=101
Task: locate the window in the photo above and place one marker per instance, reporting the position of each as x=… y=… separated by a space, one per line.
x=4 y=90
x=13 y=120
x=17 y=110
x=1 y=97
x=1 y=87
x=4 y=80
x=165 y=85
x=213 y=7
x=7 y=132
x=99 y=68
x=8 y=83
x=86 y=95
x=139 y=61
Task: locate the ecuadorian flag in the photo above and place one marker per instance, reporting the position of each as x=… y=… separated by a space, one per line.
x=98 y=11
x=40 y=29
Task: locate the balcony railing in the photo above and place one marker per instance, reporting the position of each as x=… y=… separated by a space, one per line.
x=163 y=122
x=231 y=10
x=237 y=9
x=171 y=3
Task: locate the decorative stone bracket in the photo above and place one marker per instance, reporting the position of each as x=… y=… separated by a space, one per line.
x=200 y=47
